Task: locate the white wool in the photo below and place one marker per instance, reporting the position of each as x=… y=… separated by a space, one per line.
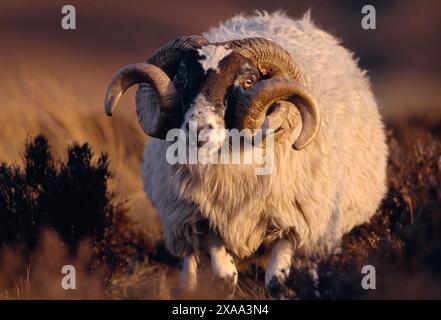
x=213 y=55
x=314 y=195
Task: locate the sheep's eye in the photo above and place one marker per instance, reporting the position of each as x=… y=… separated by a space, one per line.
x=248 y=83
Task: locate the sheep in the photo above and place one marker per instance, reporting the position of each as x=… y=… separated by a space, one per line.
x=253 y=72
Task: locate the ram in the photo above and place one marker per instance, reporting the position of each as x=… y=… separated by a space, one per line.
x=263 y=71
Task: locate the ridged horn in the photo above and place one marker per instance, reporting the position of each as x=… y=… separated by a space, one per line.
x=156 y=98
x=282 y=83
x=252 y=108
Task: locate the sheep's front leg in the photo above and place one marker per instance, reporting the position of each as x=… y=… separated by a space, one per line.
x=222 y=263
x=189 y=274
x=278 y=268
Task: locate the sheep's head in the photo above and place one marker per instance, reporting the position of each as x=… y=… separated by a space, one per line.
x=244 y=84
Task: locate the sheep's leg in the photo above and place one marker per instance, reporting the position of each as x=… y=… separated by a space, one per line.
x=313 y=273
x=189 y=274
x=278 y=268
x=222 y=263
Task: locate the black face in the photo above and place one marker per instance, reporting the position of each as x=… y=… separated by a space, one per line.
x=189 y=78
x=219 y=88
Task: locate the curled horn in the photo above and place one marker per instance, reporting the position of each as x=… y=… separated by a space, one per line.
x=156 y=99
x=252 y=108
x=282 y=84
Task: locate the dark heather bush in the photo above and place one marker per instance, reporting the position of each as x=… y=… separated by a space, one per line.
x=402 y=241
x=69 y=197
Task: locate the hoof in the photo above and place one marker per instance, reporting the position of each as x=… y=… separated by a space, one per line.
x=278 y=290
x=227 y=285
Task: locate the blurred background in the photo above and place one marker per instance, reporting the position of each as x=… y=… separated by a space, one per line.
x=53 y=80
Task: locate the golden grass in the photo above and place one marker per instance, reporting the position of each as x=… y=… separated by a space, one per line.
x=21 y=288
x=31 y=104
x=145 y=282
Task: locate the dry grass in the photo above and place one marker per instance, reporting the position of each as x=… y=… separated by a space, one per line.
x=20 y=288
x=145 y=282
x=30 y=107
x=37 y=274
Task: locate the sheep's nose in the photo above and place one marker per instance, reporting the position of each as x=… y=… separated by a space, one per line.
x=205 y=138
